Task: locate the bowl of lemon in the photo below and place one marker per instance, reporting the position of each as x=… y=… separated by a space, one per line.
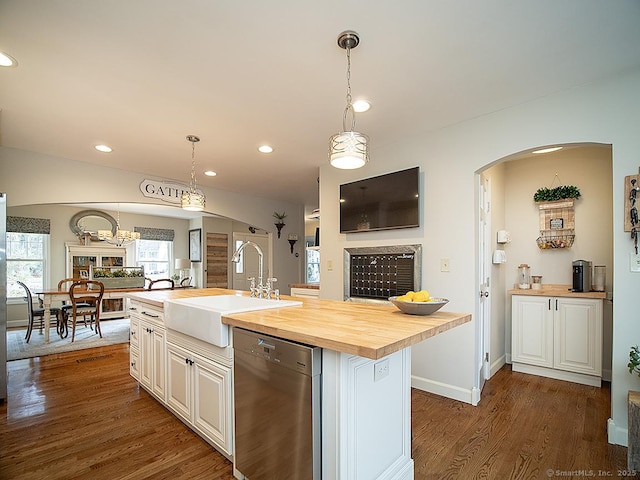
x=418 y=303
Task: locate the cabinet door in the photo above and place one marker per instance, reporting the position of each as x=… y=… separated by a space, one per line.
x=80 y=265
x=212 y=402
x=159 y=358
x=146 y=354
x=110 y=260
x=134 y=363
x=578 y=335
x=179 y=381
x=134 y=329
x=532 y=330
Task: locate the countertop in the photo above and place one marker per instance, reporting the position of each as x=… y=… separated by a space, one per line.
x=553 y=290
x=314 y=286
x=367 y=330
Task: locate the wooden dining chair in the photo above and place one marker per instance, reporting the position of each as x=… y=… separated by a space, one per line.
x=38 y=313
x=88 y=293
x=161 y=283
x=65 y=309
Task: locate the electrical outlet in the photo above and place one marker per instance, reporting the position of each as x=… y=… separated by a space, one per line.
x=634 y=262
x=380 y=369
x=444 y=265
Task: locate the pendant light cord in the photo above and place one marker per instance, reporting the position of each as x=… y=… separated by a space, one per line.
x=349 y=107
x=193 y=167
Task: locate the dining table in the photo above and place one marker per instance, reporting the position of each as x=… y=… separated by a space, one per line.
x=50 y=296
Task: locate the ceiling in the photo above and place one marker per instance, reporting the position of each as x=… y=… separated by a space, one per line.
x=141 y=75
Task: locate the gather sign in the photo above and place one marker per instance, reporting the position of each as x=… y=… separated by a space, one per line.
x=169 y=192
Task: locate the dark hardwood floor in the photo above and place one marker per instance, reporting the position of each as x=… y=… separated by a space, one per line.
x=79 y=415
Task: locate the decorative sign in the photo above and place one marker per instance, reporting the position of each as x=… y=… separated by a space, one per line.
x=556 y=224
x=166 y=191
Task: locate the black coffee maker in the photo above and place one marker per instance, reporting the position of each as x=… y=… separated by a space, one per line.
x=581 y=276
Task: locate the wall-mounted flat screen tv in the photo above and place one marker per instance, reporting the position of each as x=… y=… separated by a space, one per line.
x=380 y=203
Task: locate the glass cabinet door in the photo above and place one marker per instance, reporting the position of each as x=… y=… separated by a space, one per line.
x=111 y=261
x=81 y=265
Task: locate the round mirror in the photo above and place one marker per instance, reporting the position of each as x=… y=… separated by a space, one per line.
x=88 y=222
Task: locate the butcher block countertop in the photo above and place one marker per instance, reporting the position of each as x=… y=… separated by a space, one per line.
x=553 y=290
x=367 y=330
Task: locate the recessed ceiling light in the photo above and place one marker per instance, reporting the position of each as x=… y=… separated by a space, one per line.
x=104 y=148
x=265 y=149
x=360 y=106
x=548 y=150
x=210 y=173
x=7 y=60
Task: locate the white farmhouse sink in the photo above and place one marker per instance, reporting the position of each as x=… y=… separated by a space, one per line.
x=201 y=317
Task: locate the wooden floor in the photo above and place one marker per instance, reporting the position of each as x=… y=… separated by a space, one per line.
x=80 y=415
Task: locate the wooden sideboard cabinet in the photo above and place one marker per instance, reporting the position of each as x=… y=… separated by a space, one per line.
x=557 y=337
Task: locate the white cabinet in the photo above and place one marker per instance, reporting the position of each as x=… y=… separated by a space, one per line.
x=558 y=337
x=134 y=347
x=150 y=356
x=199 y=391
x=81 y=258
x=532 y=330
x=192 y=378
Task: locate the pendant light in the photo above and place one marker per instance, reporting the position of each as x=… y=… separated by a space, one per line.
x=348 y=149
x=193 y=200
x=122 y=238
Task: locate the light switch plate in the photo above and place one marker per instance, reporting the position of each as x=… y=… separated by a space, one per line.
x=444 y=265
x=634 y=262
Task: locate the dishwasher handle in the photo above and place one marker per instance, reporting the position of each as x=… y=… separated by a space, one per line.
x=263 y=343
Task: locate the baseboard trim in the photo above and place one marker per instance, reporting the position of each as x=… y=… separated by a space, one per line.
x=557 y=374
x=617 y=435
x=497 y=365
x=444 y=389
x=17 y=323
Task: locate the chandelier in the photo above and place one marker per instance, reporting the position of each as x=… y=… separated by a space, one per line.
x=122 y=238
x=193 y=200
x=348 y=149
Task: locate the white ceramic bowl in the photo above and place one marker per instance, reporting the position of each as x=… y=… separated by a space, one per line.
x=419 y=308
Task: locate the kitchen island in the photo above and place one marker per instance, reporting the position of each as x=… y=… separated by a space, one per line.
x=366 y=374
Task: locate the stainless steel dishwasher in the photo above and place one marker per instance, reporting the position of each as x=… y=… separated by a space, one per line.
x=277 y=407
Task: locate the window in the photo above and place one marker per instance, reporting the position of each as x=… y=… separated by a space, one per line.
x=27 y=262
x=154 y=256
x=313 y=265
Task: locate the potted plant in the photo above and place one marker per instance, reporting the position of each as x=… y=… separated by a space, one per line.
x=554 y=194
x=634 y=360
x=118 y=277
x=279 y=220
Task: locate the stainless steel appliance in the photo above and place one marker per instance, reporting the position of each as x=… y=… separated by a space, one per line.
x=3 y=297
x=581 y=276
x=277 y=407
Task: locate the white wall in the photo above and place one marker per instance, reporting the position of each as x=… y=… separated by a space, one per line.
x=31 y=178
x=606 y=113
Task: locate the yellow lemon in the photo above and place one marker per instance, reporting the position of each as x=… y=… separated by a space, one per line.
x=420 y=297
x=404 y=298
x=409 y=295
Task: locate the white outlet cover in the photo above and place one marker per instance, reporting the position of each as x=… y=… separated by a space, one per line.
x=634 y=262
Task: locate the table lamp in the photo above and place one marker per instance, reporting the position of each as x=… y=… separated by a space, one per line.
x=182 y=264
